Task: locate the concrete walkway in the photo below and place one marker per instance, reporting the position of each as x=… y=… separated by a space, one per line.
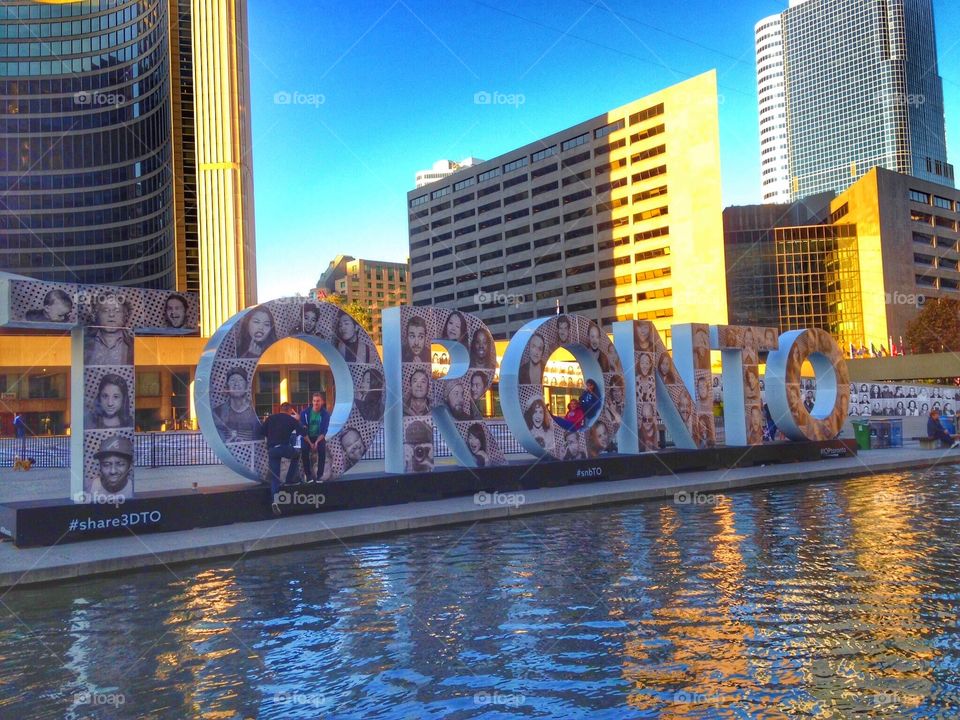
x=78 y=560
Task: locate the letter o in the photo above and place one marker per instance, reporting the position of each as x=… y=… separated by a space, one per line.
x=784 y=398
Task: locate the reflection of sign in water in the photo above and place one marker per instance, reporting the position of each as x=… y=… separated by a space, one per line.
x=633 y=383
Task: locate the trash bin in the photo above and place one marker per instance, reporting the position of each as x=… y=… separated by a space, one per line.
x=896 y=433
x=861 y=431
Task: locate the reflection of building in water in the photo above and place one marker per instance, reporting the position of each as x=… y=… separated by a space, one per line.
x=617 y=218
x=859 y=265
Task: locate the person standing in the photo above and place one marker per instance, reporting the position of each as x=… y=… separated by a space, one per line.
x=20 y=429
x=279 y=430
x=316 y=420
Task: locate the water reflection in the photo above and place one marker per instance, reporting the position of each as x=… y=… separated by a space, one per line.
x=818 y=600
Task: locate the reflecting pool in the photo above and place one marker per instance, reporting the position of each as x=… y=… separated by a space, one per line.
x=829 y=599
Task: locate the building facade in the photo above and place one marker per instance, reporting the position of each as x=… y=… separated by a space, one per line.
x=124 y=147
x=861 y=89
x=374 y=284
x=860 y=265
x=618 y=217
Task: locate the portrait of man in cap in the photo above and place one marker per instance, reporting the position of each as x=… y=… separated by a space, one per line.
x=418 y=447
x=115 y=461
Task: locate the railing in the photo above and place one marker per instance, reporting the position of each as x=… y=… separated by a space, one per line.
x=171 y=449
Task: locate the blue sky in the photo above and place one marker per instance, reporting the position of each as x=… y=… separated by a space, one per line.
x=380 y=89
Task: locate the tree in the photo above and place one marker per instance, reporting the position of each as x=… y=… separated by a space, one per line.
x=354 y=309
x=936 y=328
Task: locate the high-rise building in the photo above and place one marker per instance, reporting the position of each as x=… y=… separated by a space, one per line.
x=374 y=284
x=125 y=147
x=618 y=217
x=861 y=89
x=861 y=264
x=442 y=169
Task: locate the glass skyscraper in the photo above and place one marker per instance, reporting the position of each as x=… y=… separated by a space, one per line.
x=102 y=155
x=861 y=89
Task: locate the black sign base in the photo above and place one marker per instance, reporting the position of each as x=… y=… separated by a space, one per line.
x=50 y=522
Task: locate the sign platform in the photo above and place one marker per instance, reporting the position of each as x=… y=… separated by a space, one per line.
x=52 y=522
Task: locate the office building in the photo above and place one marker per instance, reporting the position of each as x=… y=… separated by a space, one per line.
x=442 y=169
x=860 y=264
x=860 y=89
x=617 y=217
x=374 y=284
x=125 y=138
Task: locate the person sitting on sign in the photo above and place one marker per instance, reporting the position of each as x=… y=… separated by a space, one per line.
x=936 y=431
x=278 y=430
x=573 y=420
x=590 y=401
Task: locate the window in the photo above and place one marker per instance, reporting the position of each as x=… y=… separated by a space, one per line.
x=522 y=212
x=573 y=197
x=544 y=170
x=522 y=230
x=547 y=294
x=613 y=262
x=514 y=181
x=647 y=214
x=523 y=247
x=645 y=154
x=917 y=216
x=576 y=252
x=609 y=128
x=839 y=213
x=646 y=114
x=612 y=243
x=652 y=294
x=647 y=174
x=553 y=275
x=487 y=240
x=577 y=178
x=648 y=234
x=463 y=198
x=648 y=133
x=487 y=190
x=465 y=183
x=576 y=307
x=548 y=205
x=421 y=200
x=516 y=164
x=545 y=153
x=488 y=206
x=546 y=187
x=492 y=173
x=148 y=384
x=612 y=204
x=543 y=242
x=440 y=193
x=490 y=255
x=650 y=254
x=607 y=149
x=579 y=269
x=920 y=197
x=575 y=142
x=582 y=287
x=575 y=159
x=464 y=230
x=515 y=198
x=576 y=214
x=943 y=203
x=545 y=223
x=466 y=246
x=579 y=232
x=653 y=192
x=610 y=224
x=612 y=185
x=465 y=214
x=439 y=208
x=484 y=224
x=610 y=167
x=441 y=252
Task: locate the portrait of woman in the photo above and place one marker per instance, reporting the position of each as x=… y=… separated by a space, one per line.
x=948 y=410
x=900 y=409
x=455 y=328
x=665 y=369
x=370 y=396
x=477 y=443
x=350 y=342
x=483 y=352
x=643 y=337
x=311 y=313
x=645 y=365
x=257 y=332
x=531 y=370
x=111 y=405
x=912 y=410
x=57 y=306
x=613 y=411
x=415 y=401
x=539 y=422
x=924 y=409
x=175 y=311
x=598 y=438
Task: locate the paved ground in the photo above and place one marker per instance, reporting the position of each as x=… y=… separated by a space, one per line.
x=33 y=565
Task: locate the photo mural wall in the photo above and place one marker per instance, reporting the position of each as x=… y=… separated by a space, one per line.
x=632 y=380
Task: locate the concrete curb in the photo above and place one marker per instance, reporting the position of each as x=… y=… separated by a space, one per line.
x=31 y=566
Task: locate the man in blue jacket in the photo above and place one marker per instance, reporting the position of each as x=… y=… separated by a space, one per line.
x=937 y=431
x=316 y=420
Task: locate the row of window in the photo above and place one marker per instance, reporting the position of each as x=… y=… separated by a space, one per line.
x=569 y=144
x=937 y=201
